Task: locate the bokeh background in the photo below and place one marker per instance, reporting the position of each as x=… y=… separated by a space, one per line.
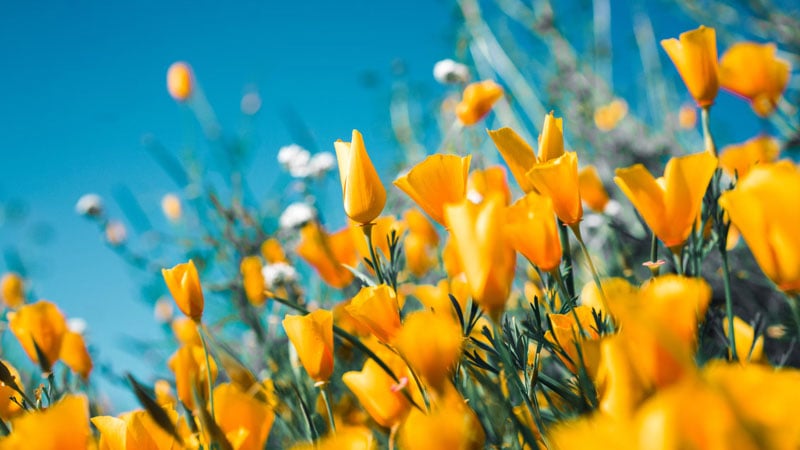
x=82 y=90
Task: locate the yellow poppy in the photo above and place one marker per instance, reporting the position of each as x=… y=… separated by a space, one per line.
x=12 y=290
x=478 y=99
x=482 y=182
x=451 y=424
x=551 y=140
x=753 y=71
x=236 y=410
x=532 y=230
x=378 y=393
x=184 y=285
x=670 y=205
x=760 y=207
x=272 y=251
x=8 y=407
x=436 y=181
x=738 y=159
x=575 y=333
x=188 y=364
x=253 y=280
x=41 y=322
x=362 y=191
x=376 y=308
x=518 y=155
x=483 y=252
x=75 y=355
x=431 y=343
x=593 y=193
x=312 y=337
x=64 y=425
x=695 y=56
x=135 y=429
x=328 y=253
x=180 y=81
x=748 y=348
x=608 y=116
x=558 y=179
x=420 y=244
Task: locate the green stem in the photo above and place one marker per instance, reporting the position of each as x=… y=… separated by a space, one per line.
x=325 y=391
x=562 y=288
x=566 y=256
x=208 y=369
x=707 y=137
x=792 y=301
x=376 y=266
x=595 y=276
x=726 y=282
x=654 y=268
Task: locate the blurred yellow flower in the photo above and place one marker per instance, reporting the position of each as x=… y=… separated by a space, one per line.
x=670 y=205
x=532 y=230
x=180 y=81
x=608 y=116
x=312 y=337
x=75 y=355
x=436 y=298
x=450 y=425
x=752 y=71
x=272 y=251
x=551 y=140
x=346 y=438
x=619 y=387
x=327 y=253
x=558 y=179
x=12 y=290
x=64 y=425
x=687 y=116
x=695 y=56
x=738 y=159
x=575 y=333
x=235 y=410
x=376 y=308
x=133 y=430
x=43 y=323
x=188 y=364
x=593 y=193
x=483 y=182
x=378 y=393
x=478 y=99
x=171 y=207
x=8 y=407
x=518 y=155
x=760 y=206
x=483 y=251
x=431 y=343
x=184 y=285
x=253 y=280
x=185 y=331
x=436 y=181
x=362 y=191
x=747 y=348
x=420 y=244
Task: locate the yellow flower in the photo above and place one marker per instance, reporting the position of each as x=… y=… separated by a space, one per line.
x=737 y=160
x=377 y=392
x=695 y=57
x=133 y=430
x=236 y=410
x=272 y=251
x=753 y=71
x=761 y=208
x=346 y=438
x=517 y=154
x=551 y=140
x=436 y=298
x=608 y=116
x=532 y=230
x=483 y=182
x=477 y=101
x=327 y=253
x=558 y=179
x=43 y=323
x=483 y=252
x=382 y=228
x=344 y=320
x=420 y=244
x=12 y=290
x=578 y=339
x=362 y=191
x=253 y=280
x=431 y=343
x=687 y=116
x=171 y=207
x=64 y=425
x=312 y=337
x=185 y=331
x=376 y=308
x=180 y=81
x=75 y=355
x=9 y=408
x=670 y=205
x=184 y=285
x=619 y=387
x=188 y=364
x=436 y=181
x=593 y=193
x=451 y=425
x=747 y=349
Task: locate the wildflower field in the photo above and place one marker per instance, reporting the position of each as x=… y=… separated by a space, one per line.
x=551 y=263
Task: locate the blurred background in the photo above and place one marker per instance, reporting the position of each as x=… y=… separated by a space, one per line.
x=84 y=109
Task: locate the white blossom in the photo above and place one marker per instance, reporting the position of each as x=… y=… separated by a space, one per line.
x=89 y=205
x=321 y=163
x=448 y=71
x=296 y=214
x=277 y=274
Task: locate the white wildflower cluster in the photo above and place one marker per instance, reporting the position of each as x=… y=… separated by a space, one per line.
x=296 y=215
x=448 y=71
x=278 y=274
x=301 y=164
x=90 y=205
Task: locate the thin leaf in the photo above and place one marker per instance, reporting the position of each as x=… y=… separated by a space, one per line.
x=156 y=412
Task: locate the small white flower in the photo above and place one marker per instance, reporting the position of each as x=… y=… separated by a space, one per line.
x=593 y=220
x=77 y=325
x=474 y=196
x=613 y=207
x=448 y=71
x=296 y=214
x=89 y=205
x=293 y=157
x=278 y=274
x=321 y=163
